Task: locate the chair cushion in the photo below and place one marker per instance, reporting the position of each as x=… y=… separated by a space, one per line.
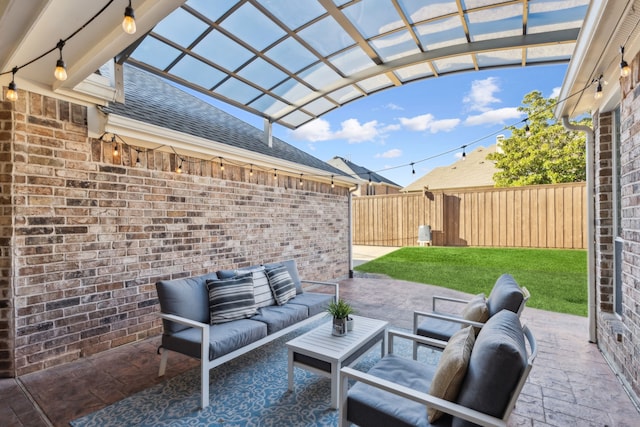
x=278 y=317
x=452 y=368
x=497 y=361
x=281 y=284
x=314 y=301
x=231 y=299
x=292 y=267
x=506 y=294
x=438 y=329
x=185 y=298
x=370 y=406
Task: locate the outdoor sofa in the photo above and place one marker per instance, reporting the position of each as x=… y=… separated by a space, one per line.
x=234 y=311
x=477 y=380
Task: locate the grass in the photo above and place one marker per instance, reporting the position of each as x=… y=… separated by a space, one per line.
x=557 y=279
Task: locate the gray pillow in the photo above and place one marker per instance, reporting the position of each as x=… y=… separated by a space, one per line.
x=281 y=284
x=231 y=299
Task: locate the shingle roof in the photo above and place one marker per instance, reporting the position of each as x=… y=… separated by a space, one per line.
x=152 y=100
x=360 y=171
x=472 y=171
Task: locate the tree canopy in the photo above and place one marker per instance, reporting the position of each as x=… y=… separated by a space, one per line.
x=542 y=151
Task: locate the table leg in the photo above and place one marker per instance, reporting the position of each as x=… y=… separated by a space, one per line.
x=290 y=370
x=335 y=384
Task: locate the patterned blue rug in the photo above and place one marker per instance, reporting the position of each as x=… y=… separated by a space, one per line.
x=245 y=392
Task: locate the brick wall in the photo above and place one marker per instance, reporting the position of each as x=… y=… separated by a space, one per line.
x=93 y=234
x=619 y=336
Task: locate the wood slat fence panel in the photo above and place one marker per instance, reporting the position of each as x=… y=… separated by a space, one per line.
x=543 y=216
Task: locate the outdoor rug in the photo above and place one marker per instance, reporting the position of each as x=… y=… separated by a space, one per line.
x=248 y=391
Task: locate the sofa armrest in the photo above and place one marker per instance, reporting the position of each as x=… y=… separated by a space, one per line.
x=408 y=393
x=449 y=318
x=335 y=285
x=184 y=321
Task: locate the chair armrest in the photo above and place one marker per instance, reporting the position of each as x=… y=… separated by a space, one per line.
x=448 y=299
x=335 y=285
x=391 y=334
x=422 y=398
x=183 y=321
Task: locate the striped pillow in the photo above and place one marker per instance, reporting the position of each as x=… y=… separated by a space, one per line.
x=261 y=290
x=231 y=299
x=281 y=284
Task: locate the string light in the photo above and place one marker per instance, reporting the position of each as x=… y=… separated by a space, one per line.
x=332 y=184
x=116 y=153
x=464 y=153
x=625 y=70
x=138 y=163
x=413 y=170
x=527 y=130
x=301 y=182
x=370 y=183
x=598 y=93
x=251 y=170
x=129 y=21
x=61 y=69
x=179 y=168
x=221 y=165
x=12 y=91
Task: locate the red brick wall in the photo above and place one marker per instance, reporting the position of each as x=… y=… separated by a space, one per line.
x=619 y=336
x=92 y=234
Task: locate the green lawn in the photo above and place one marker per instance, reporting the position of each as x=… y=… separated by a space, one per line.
x=557 y=279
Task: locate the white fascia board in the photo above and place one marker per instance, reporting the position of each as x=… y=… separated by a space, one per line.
x=152 y=136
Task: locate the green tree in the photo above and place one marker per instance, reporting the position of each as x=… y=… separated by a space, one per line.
x=546 y=154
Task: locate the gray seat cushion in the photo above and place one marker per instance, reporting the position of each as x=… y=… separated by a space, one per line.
x=223 y=338
x=505 y=295
x=186 y=297
x=278 y=317
x=438 y=329
x=315 y=302
x=497 y=362
x=372 y=407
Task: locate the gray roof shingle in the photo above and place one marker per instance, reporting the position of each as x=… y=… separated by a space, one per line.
x=152 y=100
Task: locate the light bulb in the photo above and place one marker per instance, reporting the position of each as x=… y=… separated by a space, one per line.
x=129 y=21
x=625 y=70
x=598 y=94
x=60 y=71
x=12 y=92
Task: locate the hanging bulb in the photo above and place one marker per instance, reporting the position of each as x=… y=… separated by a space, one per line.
x=129 y=21
x=251 y=170
x=332 y=184
x=464 y=154
x=598 y=93
x=221 y=165
x=275 y=174
x=138 y=163
x=625 y=70
x=116 y=153
x=179 y=168
x=61 y=70
x=301 y=182
x=370 y=183
x=12 y=91
x=413 y=171
x=527 y=130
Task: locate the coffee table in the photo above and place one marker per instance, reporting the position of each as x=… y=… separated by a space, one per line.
x=320 y=352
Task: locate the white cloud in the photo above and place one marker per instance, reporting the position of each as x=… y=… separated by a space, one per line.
x=482 y=94
x=314 y=131
x=391 y=154
x=492 y=117
x=555 y=92
x=351 y=130
x=427 y=122
x=392 y=106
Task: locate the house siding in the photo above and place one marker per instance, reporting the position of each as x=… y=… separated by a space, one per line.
x=86 y=235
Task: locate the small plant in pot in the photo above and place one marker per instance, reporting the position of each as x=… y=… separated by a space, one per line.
x=341 y=312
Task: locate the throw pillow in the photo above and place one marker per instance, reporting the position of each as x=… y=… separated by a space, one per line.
x=231 y=299
x=451 y=369
x=281 y=284
x=261 y=289
x=476 y=310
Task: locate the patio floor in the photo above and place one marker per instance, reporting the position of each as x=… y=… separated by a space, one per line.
x=570 y=385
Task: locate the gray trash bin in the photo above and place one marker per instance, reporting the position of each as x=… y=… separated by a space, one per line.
x=424 y=235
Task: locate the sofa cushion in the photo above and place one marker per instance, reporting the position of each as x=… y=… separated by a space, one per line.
x=278 y=317
x=497 y=361
x=293 y=271
x=223 y=338
x=314 y=301
x=452 y=368
x=281 y=284
x=370 y=406
x=506 y=294
x=185 y=298
x=231 y=299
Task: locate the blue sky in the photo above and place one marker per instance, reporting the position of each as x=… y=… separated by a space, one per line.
x=387 y=131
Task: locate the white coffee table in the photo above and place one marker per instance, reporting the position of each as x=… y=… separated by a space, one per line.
x=322 y=353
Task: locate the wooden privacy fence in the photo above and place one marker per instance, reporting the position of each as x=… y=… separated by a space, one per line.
x=540 y=216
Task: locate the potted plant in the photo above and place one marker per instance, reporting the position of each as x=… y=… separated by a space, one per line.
x=340 y=310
